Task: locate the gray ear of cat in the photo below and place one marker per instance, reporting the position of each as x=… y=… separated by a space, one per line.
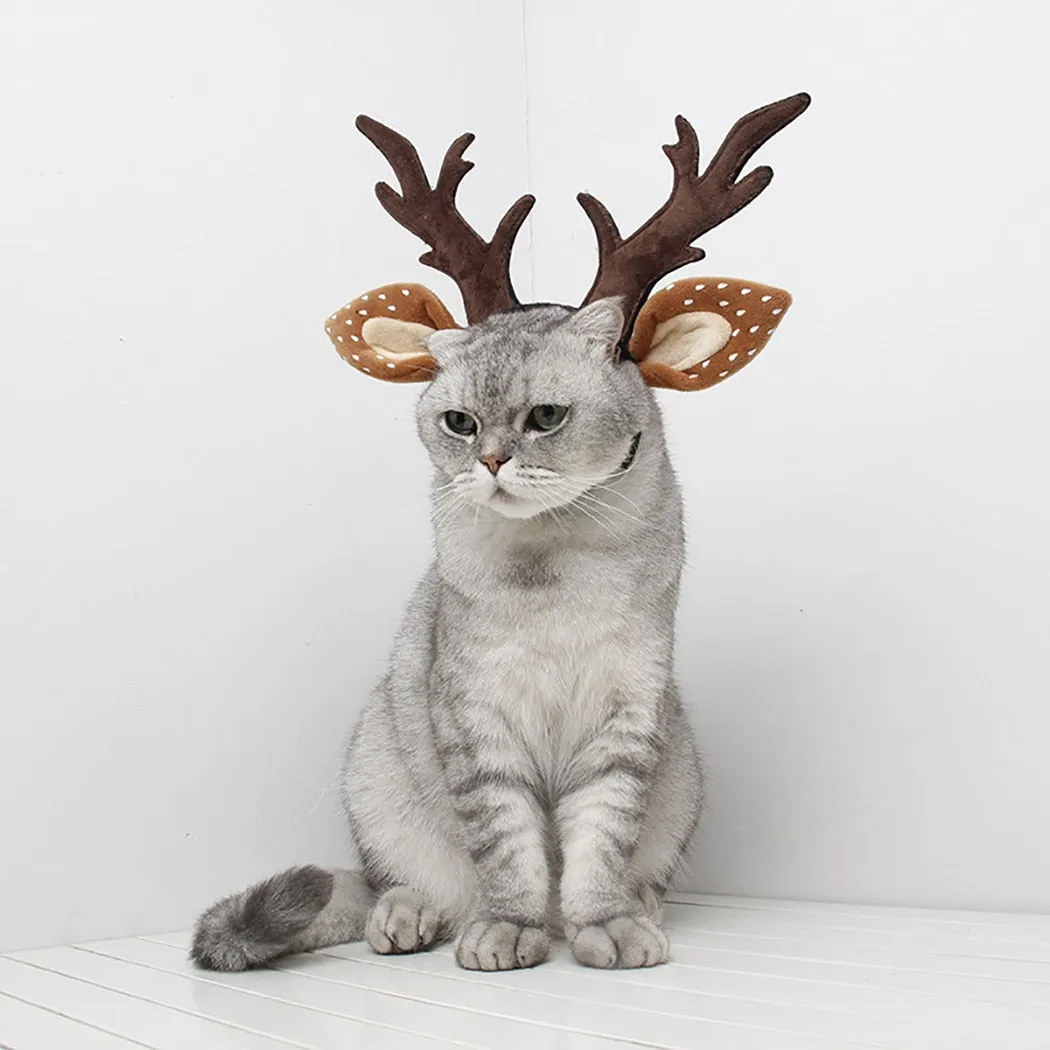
x=601 y=322
x=445 y=343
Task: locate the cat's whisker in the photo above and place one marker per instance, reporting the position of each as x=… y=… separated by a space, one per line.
x=598 y=520
x=443 y=498
x=657 y=528
x=593 y=500
x=568 y=495
x=562 y=493
x=600 y=479
x=552 y=510
x=446 y=510
x=459 y=479
x=602 y=511
x=616 y=492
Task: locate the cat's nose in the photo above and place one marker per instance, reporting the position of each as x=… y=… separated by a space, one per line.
x=493 y=463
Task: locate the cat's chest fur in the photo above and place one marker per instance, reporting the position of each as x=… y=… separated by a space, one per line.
x=555 y=680
x=555 y=642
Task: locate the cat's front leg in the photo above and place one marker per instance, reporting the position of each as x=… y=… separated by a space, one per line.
x=599 y=818
x=490 y=782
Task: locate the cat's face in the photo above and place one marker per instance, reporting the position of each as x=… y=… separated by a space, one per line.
x=530 y=410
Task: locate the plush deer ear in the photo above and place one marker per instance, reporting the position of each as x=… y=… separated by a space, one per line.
x=698 y=331
x=383 y=332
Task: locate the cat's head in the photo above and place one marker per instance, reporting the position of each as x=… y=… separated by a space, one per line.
x=530 y=409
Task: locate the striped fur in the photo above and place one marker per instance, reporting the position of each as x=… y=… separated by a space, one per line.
x=525 y=766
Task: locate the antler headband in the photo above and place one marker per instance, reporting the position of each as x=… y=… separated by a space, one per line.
x=689 y=336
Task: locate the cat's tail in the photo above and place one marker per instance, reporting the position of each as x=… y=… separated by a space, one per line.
x=297 y=911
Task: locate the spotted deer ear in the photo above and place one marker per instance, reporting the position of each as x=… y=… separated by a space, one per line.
x=383 y=333
x=698 y=331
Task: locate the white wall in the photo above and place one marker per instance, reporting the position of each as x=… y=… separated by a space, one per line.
x=209 y=522
x=864 y=625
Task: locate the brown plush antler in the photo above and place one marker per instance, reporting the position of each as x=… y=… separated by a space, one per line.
x=630 y=268
x=481 y=268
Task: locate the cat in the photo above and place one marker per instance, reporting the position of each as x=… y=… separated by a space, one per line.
x=525 y=767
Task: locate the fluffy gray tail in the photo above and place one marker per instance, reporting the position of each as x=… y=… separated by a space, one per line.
x=297 y=911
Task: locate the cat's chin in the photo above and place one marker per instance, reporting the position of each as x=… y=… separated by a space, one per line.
x=507 y=505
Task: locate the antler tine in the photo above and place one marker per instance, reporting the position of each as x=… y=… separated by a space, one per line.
x=399 y=152
x=605 y=228
x=480 y=268
x=629 y=268
x=684 y=154
x=454 y=168
x=749 y=134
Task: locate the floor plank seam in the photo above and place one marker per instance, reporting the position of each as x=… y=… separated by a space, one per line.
x=213 y=978
x=151 y=1002
x=544 y=1024
x=75 y=1020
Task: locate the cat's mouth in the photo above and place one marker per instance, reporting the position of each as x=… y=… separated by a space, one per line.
x=502 y=495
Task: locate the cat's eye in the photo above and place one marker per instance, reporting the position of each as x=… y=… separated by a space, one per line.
x=461 y=423
x=546 y=417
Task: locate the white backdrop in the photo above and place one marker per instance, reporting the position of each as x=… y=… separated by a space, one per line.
x=209 y=523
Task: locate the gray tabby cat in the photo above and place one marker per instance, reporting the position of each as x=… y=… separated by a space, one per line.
x=525 y=766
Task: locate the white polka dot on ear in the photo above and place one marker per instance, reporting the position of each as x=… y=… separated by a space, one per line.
x=723 y=302
x=722 y=284
x=382 y=357
x=391 y=307
x=701 y=287
x=365 y=368
x=745 y=291
x=778 y=310
x=355 y=338
x=363 y=313
x=405 y=291
x=687 y=302
x=349 y=321
x=338 y=338
x=740 y=313
x=736 y=332
x=391 y=365
x=722 y=375
x=771 y=330
x=766 y=298
x=754 y=328
x=704 y=364
x=382 y=295
x=733 y=357
x=752 y=351
x=356 y=357
x=669 y=288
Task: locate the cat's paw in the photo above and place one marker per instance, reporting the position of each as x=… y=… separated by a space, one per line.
x=626 y=942
x=489 y=944
x=401 y=921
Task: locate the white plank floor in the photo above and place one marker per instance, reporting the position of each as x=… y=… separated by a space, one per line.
x=746 y=975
